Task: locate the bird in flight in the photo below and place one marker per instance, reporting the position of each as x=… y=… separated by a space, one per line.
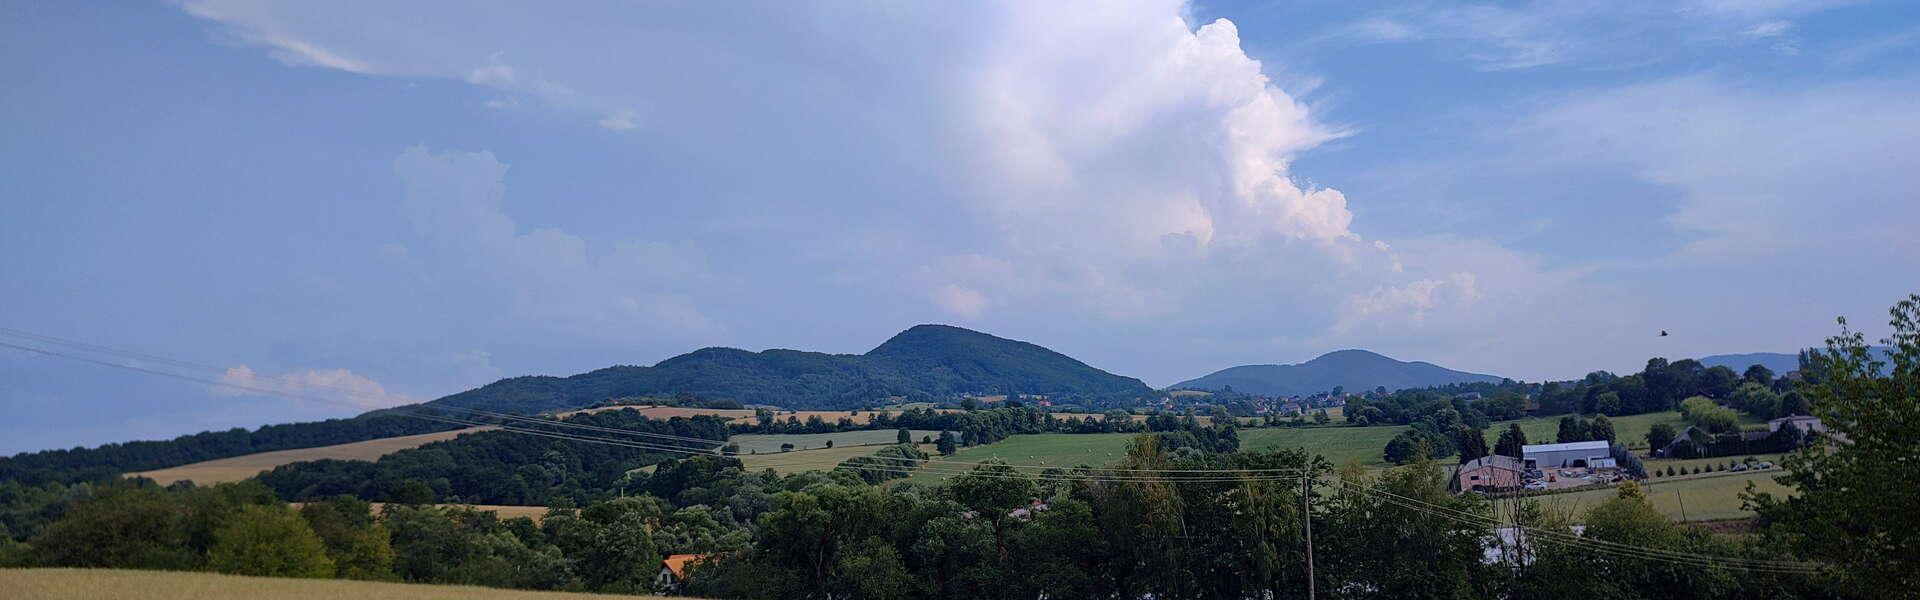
x=1663 y=333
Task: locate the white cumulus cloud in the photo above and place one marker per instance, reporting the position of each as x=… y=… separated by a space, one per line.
x=336 y=386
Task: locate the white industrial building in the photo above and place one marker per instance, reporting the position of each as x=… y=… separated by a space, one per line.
x=1593 y=455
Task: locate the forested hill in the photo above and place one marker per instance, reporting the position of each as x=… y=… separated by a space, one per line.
x=1353 y=370
x=926 y=362
x=1780 y=363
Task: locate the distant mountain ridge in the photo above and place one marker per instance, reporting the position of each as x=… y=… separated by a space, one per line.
x=1780 y=363
x=925 y=362
x=1353 y=370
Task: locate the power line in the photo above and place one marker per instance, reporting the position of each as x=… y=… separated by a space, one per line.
x=946 y=467
x=290 y=383
x=1598 y=545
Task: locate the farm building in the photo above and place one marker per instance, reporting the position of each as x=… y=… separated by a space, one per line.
x=1491 y=473
x=1595 y=454
x=1804 y=423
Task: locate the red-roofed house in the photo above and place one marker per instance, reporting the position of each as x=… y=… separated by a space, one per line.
x=673 y=571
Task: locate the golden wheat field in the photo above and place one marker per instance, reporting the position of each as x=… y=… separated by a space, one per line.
x=112 y=584
x=241 y=467
x=500 y=510
x=738 y=415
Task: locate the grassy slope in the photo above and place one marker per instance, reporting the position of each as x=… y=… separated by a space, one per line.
x=1630 y=429
x=770 y=442
x=1064 y=450
x=1342 y=445
x=810 y=460
x=1707 y=497
x=241 y=467
x=102 y=584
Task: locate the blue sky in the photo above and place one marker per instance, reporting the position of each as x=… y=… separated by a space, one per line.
x=411 y=200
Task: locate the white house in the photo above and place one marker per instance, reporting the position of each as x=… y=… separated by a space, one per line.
x=1804 y=423
x=1595 y=454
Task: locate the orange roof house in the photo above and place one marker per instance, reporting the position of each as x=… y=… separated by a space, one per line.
x=673 y=570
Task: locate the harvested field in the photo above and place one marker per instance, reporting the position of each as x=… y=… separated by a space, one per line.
x=504 y=512
x=765 y=443
x=115 y=584
x=238 y=468
x=798 y=461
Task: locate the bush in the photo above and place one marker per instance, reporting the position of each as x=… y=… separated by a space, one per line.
x=268 y=541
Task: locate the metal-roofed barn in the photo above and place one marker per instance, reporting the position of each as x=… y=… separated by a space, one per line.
x=1594 y=454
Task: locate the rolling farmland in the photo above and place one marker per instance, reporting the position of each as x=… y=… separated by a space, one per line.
x=1629 y=429
x=787 y=463
x=764 y=443
x=1341 y=445
x=115 y=584
x=1064 y=450
x=237 y=468
x=1699 y=498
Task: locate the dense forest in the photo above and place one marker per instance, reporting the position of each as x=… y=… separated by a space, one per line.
x=994 y=532
x=924 y=363
x=509 y=467
x=111 y=460
x=1167 y=521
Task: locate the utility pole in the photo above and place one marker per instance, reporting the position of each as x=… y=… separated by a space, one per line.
x=1306 y=501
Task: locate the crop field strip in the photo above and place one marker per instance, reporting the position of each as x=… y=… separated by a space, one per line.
x=765 y=443
x=678 y=444
x=117 y=584
x=237 y=468
x=671 y=443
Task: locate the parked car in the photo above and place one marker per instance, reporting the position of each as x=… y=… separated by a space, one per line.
x=1537 y=485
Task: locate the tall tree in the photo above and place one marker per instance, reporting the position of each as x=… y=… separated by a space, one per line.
x=1472 y=443
x=1851 y=494
x=1601 y=429
x=1659 y=435
x=1512 y=442
x=1572 y=429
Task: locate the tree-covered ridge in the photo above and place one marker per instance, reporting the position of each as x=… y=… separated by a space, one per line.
x=924 y=363
x=509 y=467
x=111 y=460
x=1347 y=369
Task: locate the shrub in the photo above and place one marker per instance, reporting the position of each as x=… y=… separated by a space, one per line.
x=268 y=541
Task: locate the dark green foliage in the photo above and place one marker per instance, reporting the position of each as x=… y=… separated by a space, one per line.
x=140 y=526
x=1853 y=498
x=1601 y=429
x=109 y=461
x=1512 y=442
x=926 y=362
x=499 y=467
x=1627 y=460
x=1433 y=436
x=1573 y=429
x=359 y=547
x=947 y=444
x=1659 y=436
x=268 y=541
x=892 y=462
x=1472 y=443
x=1369 y=542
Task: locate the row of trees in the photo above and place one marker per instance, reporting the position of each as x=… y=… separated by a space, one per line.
x=995 y=532
x=111 y=460
x=505 y=467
